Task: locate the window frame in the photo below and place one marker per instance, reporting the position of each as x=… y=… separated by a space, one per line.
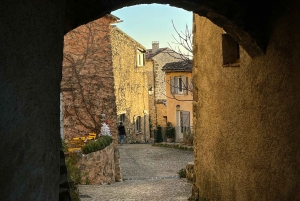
x=138 y=124
x=179 y=85
x=140 y=58
x=121 y=117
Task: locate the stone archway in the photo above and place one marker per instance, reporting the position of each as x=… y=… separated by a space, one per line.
x=250 y=30
x=31 y=41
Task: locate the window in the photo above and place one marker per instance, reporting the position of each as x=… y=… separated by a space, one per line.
x=121 y=117
x=179 y=85
x=140 y=58
x=230 y=50
x=138 y=123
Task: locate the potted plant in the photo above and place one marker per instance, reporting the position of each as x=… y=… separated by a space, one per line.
x=170 y=132
x=188 y=137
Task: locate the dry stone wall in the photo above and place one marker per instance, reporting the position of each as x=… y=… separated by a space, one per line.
x=98 y=167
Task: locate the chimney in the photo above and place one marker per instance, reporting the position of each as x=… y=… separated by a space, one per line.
x=155 y=46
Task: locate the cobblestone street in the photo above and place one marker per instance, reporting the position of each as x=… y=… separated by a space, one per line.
x=149 y=173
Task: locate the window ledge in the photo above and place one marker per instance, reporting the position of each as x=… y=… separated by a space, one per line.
x=232 y=65
x=138 y=132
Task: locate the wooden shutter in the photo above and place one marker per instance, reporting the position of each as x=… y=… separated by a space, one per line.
x=176 y=86
x=185 y=85
x=172 y=85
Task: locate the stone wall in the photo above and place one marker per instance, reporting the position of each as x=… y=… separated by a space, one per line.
x=87 y=82
x=161 y=113
x=246 y=116
x=160 y=81
x=97 y=167
x=131 y=85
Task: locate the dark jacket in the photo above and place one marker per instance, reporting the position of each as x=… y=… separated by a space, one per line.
x=121 y=130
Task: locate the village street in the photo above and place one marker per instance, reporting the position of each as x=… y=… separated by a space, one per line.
x=149 y=173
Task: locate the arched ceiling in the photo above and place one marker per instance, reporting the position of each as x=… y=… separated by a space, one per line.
x=250 y=22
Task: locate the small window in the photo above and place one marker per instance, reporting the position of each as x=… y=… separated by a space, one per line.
x=140 y=58
x=122 y=117
x=230 y=50
x=138 y=123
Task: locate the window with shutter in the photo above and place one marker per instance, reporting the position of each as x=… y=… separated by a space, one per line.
x=179 y=85
x=186 y=85
x=172 y=85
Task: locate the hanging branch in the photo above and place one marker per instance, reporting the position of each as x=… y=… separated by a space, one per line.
x=83 y=54
x=184 y=40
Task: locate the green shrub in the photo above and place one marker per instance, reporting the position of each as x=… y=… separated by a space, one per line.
x=170 y=130
x=182 y=173
x=159 y=134
x=98 y=145
x=74 y=176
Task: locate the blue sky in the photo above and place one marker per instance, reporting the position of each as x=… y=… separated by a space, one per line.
x=153 y=22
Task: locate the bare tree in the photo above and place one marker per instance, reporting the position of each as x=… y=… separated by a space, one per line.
x=86 y=81
x=183 y=40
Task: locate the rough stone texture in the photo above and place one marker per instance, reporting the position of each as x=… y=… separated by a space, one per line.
x=30 y=71
x=161 y=114
x=88 y=84
x=249 y=22
x=150 y=173
x=131 y=86
x=97 y=167
x=247 y=117
x=190 y=171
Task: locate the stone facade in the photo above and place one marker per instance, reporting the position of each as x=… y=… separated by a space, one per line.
x=131 y=86
x=156 y=59
x=101 y=75
x=87 y=81
x=247 y=134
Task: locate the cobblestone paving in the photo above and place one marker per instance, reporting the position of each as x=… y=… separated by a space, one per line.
x=149 y=173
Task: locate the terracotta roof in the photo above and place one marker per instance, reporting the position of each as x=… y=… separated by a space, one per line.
x=178 y=66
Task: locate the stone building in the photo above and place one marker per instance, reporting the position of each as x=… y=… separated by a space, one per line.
x=179 y=91
x=131 y=85
x=104 y=73
x=88 y=78
x=156 y=58
x=246 y=118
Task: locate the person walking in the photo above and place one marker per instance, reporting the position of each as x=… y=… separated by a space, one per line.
x=122 y=132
